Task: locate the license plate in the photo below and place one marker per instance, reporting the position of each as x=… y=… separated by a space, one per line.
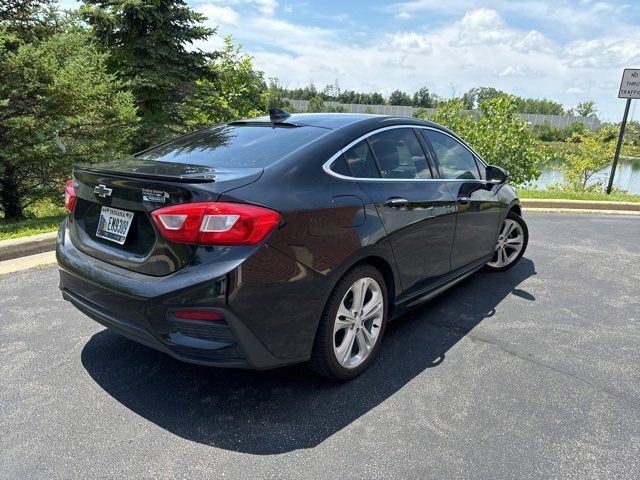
x=114 y=224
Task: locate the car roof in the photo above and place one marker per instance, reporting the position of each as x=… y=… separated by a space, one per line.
x=337 y=121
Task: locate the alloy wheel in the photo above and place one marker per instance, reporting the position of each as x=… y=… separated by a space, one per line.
x=357 y=323
x=510 y=242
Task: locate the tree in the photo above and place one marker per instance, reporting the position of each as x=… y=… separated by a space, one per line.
x=449 y=114
x=375 y=99
x=498 y=135
x=398 y=97
x=586 y=109
x=23 y=21
x=474 y=97
x=541 y=106
x=331 y=92
x=422 y=98
x=59 y=106
x=591 y=153
x=316 y=104
x=504 y=140
x=147 y=41
x=232 y=90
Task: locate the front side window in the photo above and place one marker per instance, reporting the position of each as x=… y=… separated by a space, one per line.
x=361 y=162
x=399 y=154
x=455 y=160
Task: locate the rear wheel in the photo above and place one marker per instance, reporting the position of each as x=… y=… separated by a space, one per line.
x=352 y=325
x=511 y=245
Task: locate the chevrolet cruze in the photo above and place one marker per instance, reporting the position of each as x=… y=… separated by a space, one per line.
x=283 y=239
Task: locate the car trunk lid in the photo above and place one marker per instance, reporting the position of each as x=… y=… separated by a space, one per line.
x=140 y=186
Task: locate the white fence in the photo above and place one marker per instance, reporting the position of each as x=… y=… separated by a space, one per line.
x=559 y=121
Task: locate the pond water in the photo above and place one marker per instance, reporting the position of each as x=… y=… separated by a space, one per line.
x=627 y=176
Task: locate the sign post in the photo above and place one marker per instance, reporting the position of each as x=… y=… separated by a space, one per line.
x=629 y=89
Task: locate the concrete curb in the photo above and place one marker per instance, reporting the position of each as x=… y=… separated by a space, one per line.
x=581 y=210
x=25 y=246
x=25 y=263
x=549 y=203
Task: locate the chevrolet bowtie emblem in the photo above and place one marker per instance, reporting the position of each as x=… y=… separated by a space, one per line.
x=102 y=191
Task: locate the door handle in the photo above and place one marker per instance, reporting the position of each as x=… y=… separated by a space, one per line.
x=396 y=202
x=464 y=200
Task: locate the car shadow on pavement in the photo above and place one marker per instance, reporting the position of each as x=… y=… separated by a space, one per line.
x=290 y=408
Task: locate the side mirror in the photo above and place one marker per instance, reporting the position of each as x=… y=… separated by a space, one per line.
x=496 y=175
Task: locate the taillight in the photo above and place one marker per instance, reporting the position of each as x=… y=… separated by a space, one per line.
x=215 y=223
x=69 y=196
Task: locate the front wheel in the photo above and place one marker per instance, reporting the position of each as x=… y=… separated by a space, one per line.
x=352 y=325
x=512 y=242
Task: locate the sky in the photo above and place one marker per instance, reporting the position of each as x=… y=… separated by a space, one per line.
x=567 y=51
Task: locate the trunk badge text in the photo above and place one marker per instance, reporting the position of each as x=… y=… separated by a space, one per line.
x=102 y=191
x=157 y=196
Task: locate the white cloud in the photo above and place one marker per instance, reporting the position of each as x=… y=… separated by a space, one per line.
x=534 y=41
x=478 y=47
x=516 y=71
x=403 y=16
x=410 y=41
x=217 y=15
x=482 y=26
x=266 y=7
x=598 y=53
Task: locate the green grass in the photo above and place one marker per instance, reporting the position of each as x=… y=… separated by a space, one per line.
x=41 y=218
x=568 y=195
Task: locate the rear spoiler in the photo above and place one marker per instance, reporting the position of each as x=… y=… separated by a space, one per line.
x=188 y=178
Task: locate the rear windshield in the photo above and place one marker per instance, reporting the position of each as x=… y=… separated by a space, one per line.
x=234 y=145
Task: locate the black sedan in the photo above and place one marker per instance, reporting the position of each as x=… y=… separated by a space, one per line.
x=283 y=239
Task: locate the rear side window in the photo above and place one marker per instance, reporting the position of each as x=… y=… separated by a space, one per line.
x=234 y=145
x=339 y=166
x=361 y=162
x=454 y=159
x=399 y=154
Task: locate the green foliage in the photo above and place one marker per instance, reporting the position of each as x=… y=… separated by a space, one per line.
x=474 y=97
x=316 y=104
x=232 y=90
x=60 y=105
x=539 y=106
x=449 y=114
x=592 y=153
x=498 y=135
x=40 y=217
x=399 y=97
x=147 y=41
x=423 y=98
x=586 y=109
x=549 y=133
x=615 y=196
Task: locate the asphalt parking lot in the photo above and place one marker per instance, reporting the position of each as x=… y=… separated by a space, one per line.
x=532 y=373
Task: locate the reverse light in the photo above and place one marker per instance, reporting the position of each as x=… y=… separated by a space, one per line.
x=215 y=223
x=69 y=196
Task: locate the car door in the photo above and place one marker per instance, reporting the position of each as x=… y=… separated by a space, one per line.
x=417 y=211
x=478 y=205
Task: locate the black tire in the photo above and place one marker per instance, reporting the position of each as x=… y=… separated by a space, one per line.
x=323 y=359
x=516 y=218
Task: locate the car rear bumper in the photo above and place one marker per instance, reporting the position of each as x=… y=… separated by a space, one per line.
x=139 y=307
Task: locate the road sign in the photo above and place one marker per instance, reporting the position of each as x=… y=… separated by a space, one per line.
x=630 y=85
x=629 y=89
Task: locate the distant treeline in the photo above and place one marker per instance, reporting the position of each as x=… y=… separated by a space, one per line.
x=424 y=98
